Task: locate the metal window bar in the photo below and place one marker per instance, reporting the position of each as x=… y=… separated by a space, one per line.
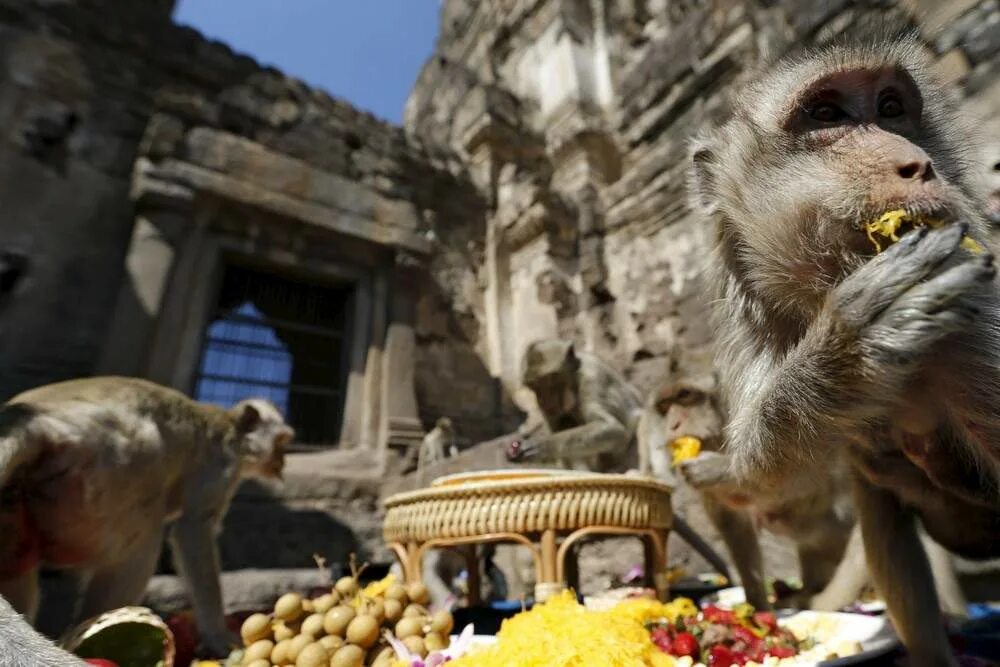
x=277 y=338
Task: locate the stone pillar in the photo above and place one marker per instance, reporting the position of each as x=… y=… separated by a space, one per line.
x=159 y=230
x=400 y=418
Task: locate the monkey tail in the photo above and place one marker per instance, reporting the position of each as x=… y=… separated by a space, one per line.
x=16 y=447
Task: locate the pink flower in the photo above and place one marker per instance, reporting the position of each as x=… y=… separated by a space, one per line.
x=456 y=650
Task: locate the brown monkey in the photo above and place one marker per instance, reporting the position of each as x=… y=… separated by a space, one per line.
x=892 y=360
x=590 y=410
x=22 y=646
x=92 y=469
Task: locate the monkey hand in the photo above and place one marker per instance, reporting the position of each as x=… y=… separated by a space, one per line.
x=906 y=299
x=521 y=449
x=706 y=471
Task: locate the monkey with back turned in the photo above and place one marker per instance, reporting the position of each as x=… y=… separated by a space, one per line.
x=90 y=472
x=827 y=349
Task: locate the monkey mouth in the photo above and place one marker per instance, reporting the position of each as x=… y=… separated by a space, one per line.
x=993 y=208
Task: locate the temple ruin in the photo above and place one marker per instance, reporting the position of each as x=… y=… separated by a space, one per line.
x=163 y=197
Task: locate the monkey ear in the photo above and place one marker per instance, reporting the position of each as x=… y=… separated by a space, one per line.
x=247 y=418
x=701 y=180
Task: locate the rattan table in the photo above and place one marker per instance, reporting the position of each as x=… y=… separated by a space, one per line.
x=547 y=511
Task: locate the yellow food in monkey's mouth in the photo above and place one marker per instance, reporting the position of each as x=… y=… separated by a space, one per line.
x=891 y=222
x=684 y=448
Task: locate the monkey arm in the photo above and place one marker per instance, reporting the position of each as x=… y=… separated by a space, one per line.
x=591 y=439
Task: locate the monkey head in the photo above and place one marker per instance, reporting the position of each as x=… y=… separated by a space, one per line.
x=687 y=409
x=550 y=369
x=262 y=436
x=444 y=425
x=819 y=147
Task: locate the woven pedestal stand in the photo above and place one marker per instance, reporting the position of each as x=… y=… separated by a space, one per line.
x=547 y=511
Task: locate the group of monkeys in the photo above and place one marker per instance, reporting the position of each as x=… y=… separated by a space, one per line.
x=857 y=407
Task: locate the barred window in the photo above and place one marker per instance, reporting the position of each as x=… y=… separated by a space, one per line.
x=278 y=337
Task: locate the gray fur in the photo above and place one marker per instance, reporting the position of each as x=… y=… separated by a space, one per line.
x=22 y=646
x=825 y=352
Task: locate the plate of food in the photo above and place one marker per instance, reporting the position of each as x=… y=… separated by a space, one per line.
x=641 y=631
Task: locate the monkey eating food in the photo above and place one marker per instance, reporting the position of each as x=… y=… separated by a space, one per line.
x=830 y=350
x=90 y=472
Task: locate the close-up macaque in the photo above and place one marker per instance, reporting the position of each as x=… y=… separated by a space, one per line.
x=835 y=342
x=92 y=470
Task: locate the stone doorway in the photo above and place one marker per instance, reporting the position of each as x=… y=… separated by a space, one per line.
x=284 y=337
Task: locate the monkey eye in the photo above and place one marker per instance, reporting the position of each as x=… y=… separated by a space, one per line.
x=826 y=112
x=890 y=106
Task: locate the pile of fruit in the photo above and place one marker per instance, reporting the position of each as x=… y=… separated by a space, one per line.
x=722 y=637
x=347 y=627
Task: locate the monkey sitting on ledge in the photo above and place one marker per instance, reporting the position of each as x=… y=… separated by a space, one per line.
x=90 y=472
x=827 y=348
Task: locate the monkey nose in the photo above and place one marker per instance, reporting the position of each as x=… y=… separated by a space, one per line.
x=917 y=170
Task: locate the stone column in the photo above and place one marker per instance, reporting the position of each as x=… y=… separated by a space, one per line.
x=400 y=418
x=159 y=230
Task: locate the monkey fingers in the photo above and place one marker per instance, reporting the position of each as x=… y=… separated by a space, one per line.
x=931 y=310
x=876 y=285
x=707 y=471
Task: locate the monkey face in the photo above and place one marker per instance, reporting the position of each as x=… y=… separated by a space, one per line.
x=993 y=182
x=556 y=396
x=263 y=437
x=817 y=150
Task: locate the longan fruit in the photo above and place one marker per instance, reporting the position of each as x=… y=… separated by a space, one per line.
x=396 y=592
x=442 y=622
x=324 y=603
x=409 y=627
x=296 y=645
x=416 y=645
x=279 y=655
x=336 y=620
x=434 y=641
x=348 y=655
x=383 y=657
x=307 y=605
x=363 y=631
x=313 y=625
x=376 y=609
x=331 y=642
x=288 y=607
x=313 y=655
x=337 y=597
x=256 y=627
x=417 y=592
x=393 y=610
x=259 y=650
x=260 y=663
x=415 y=610
x=282 y=631
x=346 y=586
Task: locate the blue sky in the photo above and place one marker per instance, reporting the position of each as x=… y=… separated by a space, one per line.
x=368 y=52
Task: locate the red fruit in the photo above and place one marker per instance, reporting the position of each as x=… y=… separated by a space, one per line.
x=744 y=635
x=781 y=651
x=685 y=644
x=720 y=656
x=661 y=637
x=100 y=662
x=740 y=658
x=714 y=614
x=765 y=619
